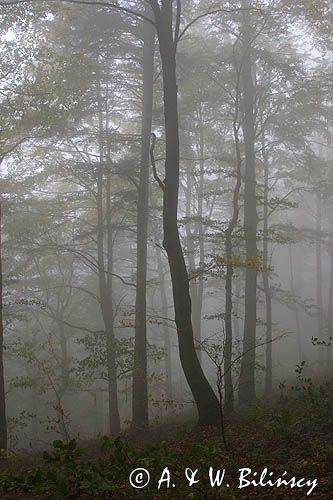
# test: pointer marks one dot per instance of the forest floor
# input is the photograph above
(294, 435)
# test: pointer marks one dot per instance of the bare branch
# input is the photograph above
(153, 163)
(211, 13)
(97, 3)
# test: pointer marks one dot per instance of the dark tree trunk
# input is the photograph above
(3, 420)
(247, 372)
(140, 385)
(205, 398)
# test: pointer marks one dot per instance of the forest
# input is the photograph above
(166, 249)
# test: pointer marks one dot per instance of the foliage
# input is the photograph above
(264, 436)
(94, 365)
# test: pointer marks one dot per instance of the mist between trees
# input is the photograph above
(166, 210)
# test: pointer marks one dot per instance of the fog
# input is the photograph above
(166, 212)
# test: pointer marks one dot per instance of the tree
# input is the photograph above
(205, 398)
(3, 420)
(247, 373)
(229, 393)
(140, 386)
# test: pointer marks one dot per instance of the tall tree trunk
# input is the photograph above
(3, 420)
(140, 385)
(330, 310)
(31, 369)
(228, 311)
(114, 417)
(194, 289)
(298, 324)
(105, 278)
(166, 330)
(247, 372)
(197, 312)
(229, 390)
(235, 322)
(64, 358)
(319, 272)
(64, 380)
(205, 398)
(265, 278)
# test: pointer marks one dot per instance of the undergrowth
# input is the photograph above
(293, 434)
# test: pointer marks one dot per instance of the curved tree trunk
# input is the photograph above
(205, 398)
